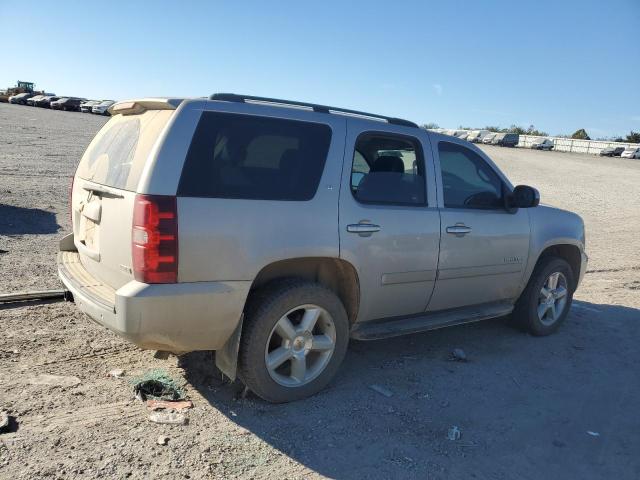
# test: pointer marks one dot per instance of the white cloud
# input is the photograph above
(438, 89)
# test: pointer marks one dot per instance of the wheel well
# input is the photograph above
(570, 253)
(335, 274)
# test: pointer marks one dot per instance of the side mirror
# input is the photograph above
(524, 196)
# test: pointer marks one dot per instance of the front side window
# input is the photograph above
(467, 180)
(252, 157)
(388, 169)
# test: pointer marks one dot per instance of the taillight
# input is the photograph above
(154, 240)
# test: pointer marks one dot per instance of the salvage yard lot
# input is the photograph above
(524, 405)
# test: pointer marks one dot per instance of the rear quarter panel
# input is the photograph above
(224, 239)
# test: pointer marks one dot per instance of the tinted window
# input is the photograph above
(245, 156)
(388, 169)
(467, 180)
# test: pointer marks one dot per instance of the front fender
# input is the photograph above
(553, 227)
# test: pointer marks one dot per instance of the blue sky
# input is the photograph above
(560, 65)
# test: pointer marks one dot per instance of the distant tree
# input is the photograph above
(430, 126)
(633, 137)
(516, 129)
(581, 135)
(492, 129)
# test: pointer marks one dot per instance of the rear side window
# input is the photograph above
(388, 169)
(252, 157)
(118, 153)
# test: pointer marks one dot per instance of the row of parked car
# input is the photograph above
(485, 136)
(511, 140)
(70, 104)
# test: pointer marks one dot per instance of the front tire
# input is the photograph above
(546, 300)
(294, 339)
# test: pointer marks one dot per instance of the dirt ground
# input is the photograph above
(564, 406)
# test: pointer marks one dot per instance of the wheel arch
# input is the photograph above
(568, 252)
(336, 274)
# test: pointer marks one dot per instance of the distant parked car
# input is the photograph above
(612, 151)
(506, 139)
(32, 101)
(85, 107)
(101, 108)
(21, 98)
(476, 136)
(68, 104)
(498, 138)
(488, 139)
(45, 102)
(631, 152)
(546, 144)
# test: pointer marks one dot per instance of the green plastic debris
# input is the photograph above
(157, 384)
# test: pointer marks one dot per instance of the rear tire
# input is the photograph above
(545, 302)
(294, 339)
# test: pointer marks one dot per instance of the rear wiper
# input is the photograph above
(102, 190)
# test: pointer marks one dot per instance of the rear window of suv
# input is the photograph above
(253, 157)
(118, 153)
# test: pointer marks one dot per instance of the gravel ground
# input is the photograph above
(525, 406)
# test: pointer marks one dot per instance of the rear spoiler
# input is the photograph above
(135, 107)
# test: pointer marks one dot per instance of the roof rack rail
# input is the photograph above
(233, 97)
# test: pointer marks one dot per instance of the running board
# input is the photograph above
(397, 326)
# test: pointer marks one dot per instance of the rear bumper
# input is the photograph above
(178, 317)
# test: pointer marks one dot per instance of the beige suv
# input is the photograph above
(273, 231)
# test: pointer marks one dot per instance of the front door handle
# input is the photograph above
(363, 229)
(459, 229)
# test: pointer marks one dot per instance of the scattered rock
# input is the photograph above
(168, 418)
(116, 373)
(454, 433)
(162, 440)
(381, 390)
(168, 405)
(458, 355)
(57, 380)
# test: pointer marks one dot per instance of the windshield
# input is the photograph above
(106, 102)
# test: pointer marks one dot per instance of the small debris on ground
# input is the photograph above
(57, 380)
(168, 418)
(454, 433)
(169, 405)
(116, 373)
(458, 355)
(162, 440)
(593, 434)
(158, 385)
(4, 421)
(381, 390)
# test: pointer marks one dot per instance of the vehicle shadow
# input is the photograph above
(26, 221)
(352, 431)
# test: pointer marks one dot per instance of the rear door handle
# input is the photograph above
(364, 229)
(458, 229)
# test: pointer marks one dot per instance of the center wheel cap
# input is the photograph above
(298, 343)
